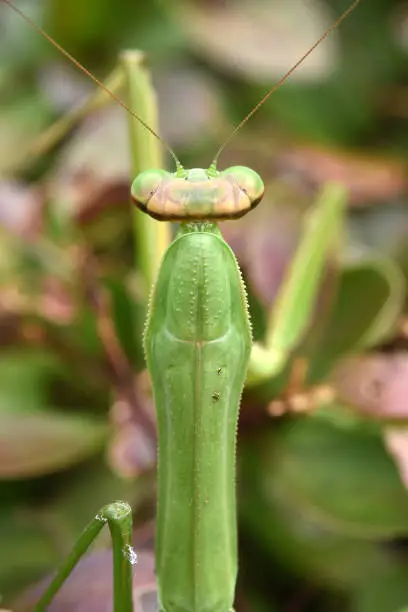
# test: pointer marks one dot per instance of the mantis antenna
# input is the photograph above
(145, 125)
(89, 74)
(285, 78)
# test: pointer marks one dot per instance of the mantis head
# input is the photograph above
(196, 194)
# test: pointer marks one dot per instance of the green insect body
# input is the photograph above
(197, 344)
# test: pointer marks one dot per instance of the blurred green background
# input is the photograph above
(323, 450)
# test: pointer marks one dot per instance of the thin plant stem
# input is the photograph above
(151, 238)
(118, 515)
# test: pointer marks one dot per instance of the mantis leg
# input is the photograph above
(291, 314)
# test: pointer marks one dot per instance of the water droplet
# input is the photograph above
(130, 554)
(100, 517)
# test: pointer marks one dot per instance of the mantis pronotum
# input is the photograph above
(198, 346)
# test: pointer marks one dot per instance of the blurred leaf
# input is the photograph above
(299, 537)
(19, 126)
(27, 551)
(368, 179)
(34, 439)
(376, 385)
(199, 92)
(39, 528)
(20, 208)
(256, 603)
(123, 314)
(385, 591)
(85, 168)
(45, 442)
(89, 588)
(369, 302)
(90, 487)
(131, 451)
(18, 45)
(384, 324)
(23, 375)
(396, 441)
(383, 229)
(310, 457)
(228, 34)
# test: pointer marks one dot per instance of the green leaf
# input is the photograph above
(343, 478)
(385, 591)
(27, 550)
(34, 439)
(23, 374)
(293, 532)
(369, 301)
(45, 442)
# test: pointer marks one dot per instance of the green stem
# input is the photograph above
(119, 518)
(151, 238)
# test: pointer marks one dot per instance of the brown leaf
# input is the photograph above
(43, 442)
(376, 385)
(369, 179)
(89, 588)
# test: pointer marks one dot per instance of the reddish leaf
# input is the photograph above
(89, 588)
(376, 385)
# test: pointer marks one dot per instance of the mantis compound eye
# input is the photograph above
(248, 181)
(146, 185)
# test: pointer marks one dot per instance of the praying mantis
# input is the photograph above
(199, 353)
